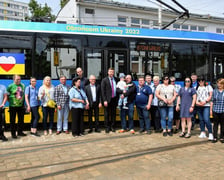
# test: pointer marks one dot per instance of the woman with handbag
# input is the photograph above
(185, 103)
(46, 95)
(32, 102)
(166, 95)
(77, 103)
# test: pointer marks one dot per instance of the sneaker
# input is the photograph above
(165, 134)
(45, 133)
(125, 107)
(170, 133)
(50, 131)
(202, 135)
(66, 132)
(141, 131)
(122, 131)
(148, 132)
(35, 134)
(210, 137)
(132, 131)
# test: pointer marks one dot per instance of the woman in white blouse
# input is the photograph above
(204, 95)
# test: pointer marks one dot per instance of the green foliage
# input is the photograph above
(39, 13)
(63, 2)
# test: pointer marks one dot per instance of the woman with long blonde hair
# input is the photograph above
(46, 93)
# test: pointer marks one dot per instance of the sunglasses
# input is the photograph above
(187, 81)
(172, 81)
(166, 78)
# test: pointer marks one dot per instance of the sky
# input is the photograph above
(211, 7)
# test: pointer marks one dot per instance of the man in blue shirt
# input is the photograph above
(143, 102)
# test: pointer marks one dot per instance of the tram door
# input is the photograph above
(118, 60)
(218, 65)
(94, 63)
(97, 62)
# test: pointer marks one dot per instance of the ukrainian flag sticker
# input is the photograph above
(12, 63)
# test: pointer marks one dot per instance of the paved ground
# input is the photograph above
(111, 156)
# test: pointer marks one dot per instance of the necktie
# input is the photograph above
(112, 87)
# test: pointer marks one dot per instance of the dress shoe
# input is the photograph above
(35, 134)
(14, 136)
(21, 134)
(141, 131)
(3, 138)
(58, 132)
(90, 131)
(97, 130)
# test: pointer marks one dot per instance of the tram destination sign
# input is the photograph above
(18, 26)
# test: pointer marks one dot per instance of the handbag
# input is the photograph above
(51, 103)
(161, 103)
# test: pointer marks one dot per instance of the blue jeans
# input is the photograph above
(204, 118)
(46, 111)
(123, 101)
(129, 112)
(166, 112)
(35, 116)
(63, 115)
(143, 114)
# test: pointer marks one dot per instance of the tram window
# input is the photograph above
(94, 63)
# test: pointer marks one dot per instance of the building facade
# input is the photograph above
(111, 13)
(13, 10)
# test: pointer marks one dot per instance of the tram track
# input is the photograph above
(100, 160)
(75, 142)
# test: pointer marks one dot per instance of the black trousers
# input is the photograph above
(2, 123)
(110, 114)
(218, 118)
(20, 114)
(77, 121)
(155, 116)
(94, 108)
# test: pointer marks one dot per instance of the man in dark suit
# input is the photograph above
(109, 99)
(93, 94)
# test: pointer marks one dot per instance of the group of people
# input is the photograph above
(161, 102)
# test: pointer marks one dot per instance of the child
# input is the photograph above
(122, 86)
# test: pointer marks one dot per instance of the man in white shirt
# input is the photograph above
(93, 94)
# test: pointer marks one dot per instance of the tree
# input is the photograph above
(63, 2)
(39, 13)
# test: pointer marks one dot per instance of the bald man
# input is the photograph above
(93, 94)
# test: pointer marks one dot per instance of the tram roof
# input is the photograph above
(39, 27)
